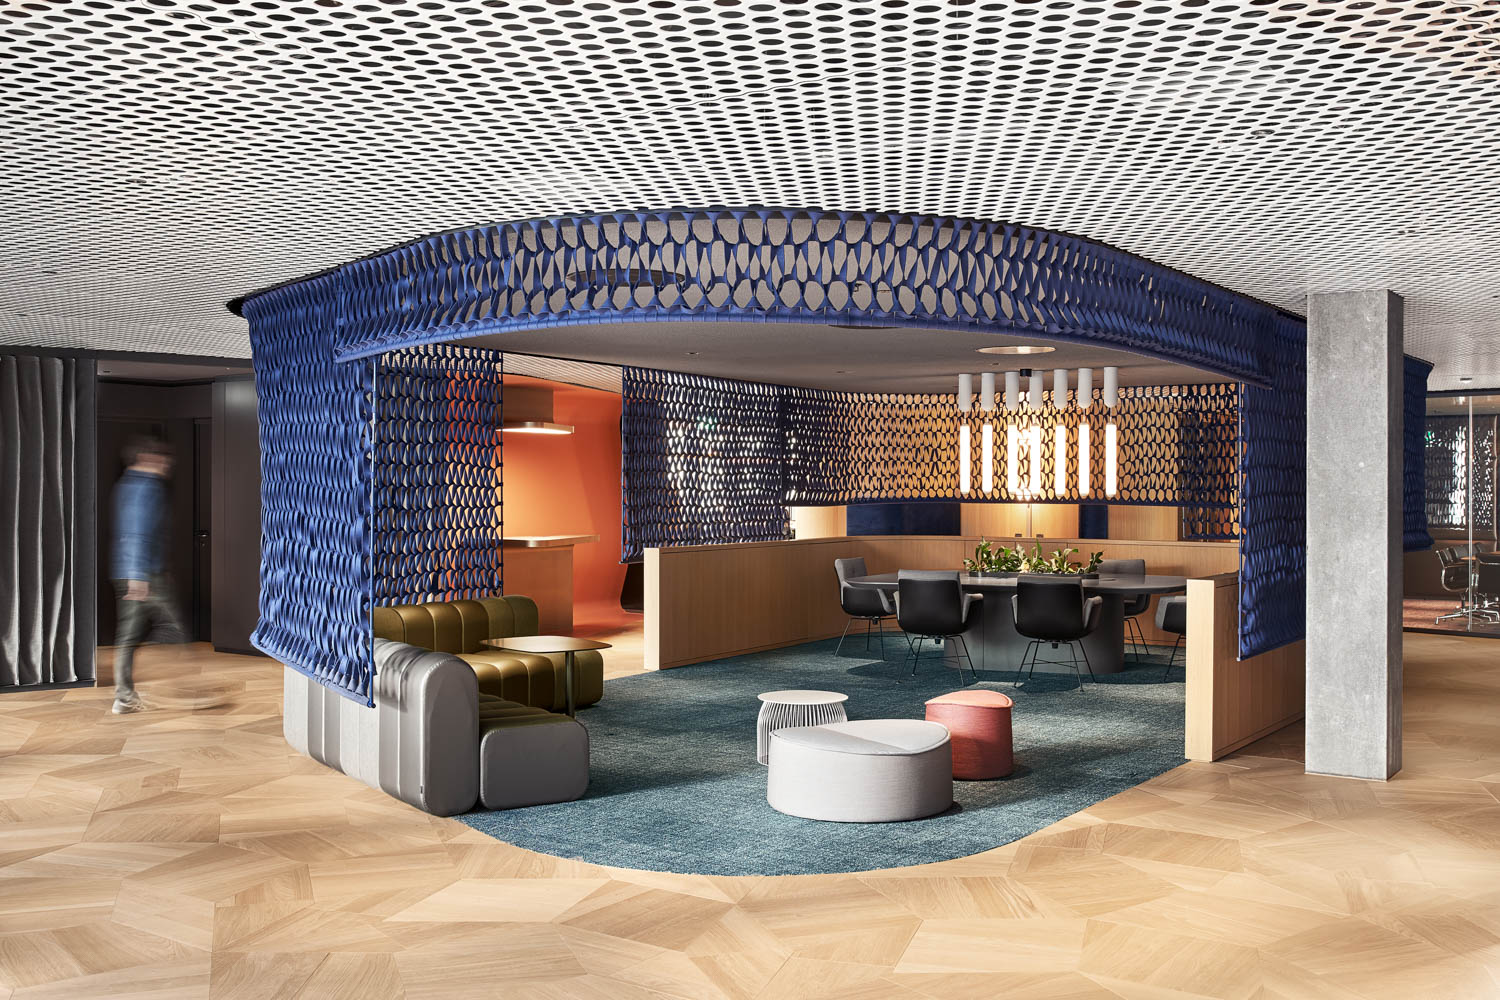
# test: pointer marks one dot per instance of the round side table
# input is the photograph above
(785, 709)
(979, 722)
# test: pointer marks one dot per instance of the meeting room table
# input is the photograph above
(995, 645)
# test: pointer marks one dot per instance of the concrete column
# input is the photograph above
(1354, 455)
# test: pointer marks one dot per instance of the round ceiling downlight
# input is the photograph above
(1018, 349)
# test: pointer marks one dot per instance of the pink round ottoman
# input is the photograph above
(979, 723)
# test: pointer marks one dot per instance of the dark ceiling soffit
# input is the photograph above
(236, 305)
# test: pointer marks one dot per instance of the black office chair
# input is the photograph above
(1135, 604)
(865, 604)
(1054, 610)
(1454, 576)
(931, 605)
(1171, 616)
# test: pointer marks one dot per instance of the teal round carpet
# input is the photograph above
(675, 786)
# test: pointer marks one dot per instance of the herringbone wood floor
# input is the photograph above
(192, 854)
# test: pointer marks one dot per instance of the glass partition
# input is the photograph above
(1456, 586)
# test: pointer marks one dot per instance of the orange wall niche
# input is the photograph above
(570, 485)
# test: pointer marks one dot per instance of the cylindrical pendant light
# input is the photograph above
(1012, 460)
(987, 391)
(1111, 387)
(1111, 465)
(965, 393)
(1083, 460)
(1035, 486)
(1038, 390)
(1059, 460)
(987, 457)
(1085, 388)
(965, 471)
(1060, 389)
(1012, 391)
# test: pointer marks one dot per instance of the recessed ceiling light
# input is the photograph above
(1018, 349)
(1466, 378)
(841, 371)
(690, 354)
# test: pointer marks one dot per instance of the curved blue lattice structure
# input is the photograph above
(437, 475)
(701, 460)
(797, 266)
(1414, 534)
(315, 586)
(1273, 500)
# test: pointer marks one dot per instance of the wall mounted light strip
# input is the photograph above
(1012, 460)
(1060, 460)
(1083, 459)
(1035, 447)
(964, 459)
(1111, 466)
(987, 457)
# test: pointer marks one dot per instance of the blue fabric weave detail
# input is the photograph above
(437, 475)
(1414, 534)
(315, 418)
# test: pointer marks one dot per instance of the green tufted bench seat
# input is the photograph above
(460, 628)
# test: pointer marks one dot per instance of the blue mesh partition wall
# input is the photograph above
(315, 587)
(701, 460)
(1414, 534)
(1273, 497)
(437, 475)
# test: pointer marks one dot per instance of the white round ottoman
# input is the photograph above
(869, 771)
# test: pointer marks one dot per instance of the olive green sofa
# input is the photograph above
(461, 627)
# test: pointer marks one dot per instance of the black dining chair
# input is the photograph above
(865, 604)
(1171, 616)
(1054, 611)
(1454, 575)
(930, 604)
(1135, 604)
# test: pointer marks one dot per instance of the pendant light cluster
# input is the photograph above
(1024, 437)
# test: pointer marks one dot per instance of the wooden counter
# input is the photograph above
(708, 601)
(541, 568)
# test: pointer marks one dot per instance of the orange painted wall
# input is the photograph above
(571, 486)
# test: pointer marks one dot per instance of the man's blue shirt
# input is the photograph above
(140, 505)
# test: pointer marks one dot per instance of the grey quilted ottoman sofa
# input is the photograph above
(433, 741)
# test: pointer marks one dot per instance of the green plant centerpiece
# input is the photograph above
(990, 559)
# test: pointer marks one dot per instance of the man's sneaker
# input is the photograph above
(130, 703)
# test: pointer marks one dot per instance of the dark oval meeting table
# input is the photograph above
(994, 644)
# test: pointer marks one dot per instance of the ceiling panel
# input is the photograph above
(164, 157)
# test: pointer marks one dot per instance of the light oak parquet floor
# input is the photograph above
(183, 854)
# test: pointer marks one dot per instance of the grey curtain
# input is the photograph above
(46, 520)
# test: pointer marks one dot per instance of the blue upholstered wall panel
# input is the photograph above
(437, 474)
(1414, 534)
(315, 415)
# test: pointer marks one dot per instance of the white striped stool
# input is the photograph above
(785, 709)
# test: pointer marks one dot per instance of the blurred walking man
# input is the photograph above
(146, 608)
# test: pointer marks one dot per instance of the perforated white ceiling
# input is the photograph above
(163, 157)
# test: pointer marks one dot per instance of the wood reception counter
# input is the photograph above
(541, 567)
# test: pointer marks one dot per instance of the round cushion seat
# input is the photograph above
(868, 771)
(979, 722)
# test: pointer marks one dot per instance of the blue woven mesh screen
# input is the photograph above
(701, 460)
(1414, 534)
(797, 266)
(1273, 499)
(437, 475)
(315, 590)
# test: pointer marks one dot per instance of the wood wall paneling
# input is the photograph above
(546, 576)
(1143, 523)
(1230, 702)
(706, 602)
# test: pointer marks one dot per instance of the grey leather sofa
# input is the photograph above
(433, 741)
